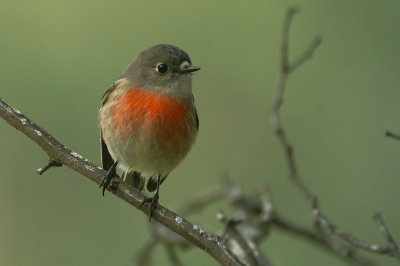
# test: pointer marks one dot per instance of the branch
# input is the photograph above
(204, 198)
(390, 250)
(173, 257)
(244, 248)
(144, 256)
(286, 68)
(258, 218)
(316, 238)
(319, 218)
(392, 135)
(235, 239)
(50, 164)
(61, 154)
(385, 231)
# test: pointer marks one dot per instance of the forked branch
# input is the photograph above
(319, 218)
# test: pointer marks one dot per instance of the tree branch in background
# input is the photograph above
(171, 240)
(255, 217)
(320, 220)
(385, 231)
(285, 69)
(392, 135)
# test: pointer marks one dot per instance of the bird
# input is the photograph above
(148, 120)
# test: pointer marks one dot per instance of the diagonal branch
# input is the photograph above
(385, 231)
(319, 217)
(61, 154)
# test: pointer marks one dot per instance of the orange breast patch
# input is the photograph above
(164, 116)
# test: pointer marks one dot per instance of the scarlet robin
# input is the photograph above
(148, 121)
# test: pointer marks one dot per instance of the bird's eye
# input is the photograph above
(162, 68)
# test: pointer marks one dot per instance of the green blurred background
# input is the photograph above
(58, 57)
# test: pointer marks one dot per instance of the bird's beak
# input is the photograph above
(190, 69)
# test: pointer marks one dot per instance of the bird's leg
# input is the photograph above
(110, 174)
(154, 200)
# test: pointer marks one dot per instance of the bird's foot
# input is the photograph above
(108, 177)
(153, 204)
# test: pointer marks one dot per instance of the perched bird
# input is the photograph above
(148, 121)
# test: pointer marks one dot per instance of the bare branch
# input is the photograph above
(275, 118)
(307, 54)
(58, 152)
(267, 207)
(291, 11)
(319, 218)
(249, 251)
(204, 198)
(318, 239)
(393, 248)
(356, 242)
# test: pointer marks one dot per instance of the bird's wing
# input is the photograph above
(106, 158)
(108, 92)
(196, 116)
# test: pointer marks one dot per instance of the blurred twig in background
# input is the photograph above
(392, 135)
(254, 215)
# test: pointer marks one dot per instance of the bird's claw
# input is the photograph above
(109, 176)
(153, 204)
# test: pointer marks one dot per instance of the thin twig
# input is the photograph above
(307, 54)
(394, 249)
(267, 206)
(58, 152)
(392, 135)
(51, 163)
(203, 199)
(352, 239)
(318, 239)
(275, 117)
(385, 231)
(143, 258)
(173, 257)
(248, 249)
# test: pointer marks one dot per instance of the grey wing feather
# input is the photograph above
(196, 117)
(108, 92)
(106, 158)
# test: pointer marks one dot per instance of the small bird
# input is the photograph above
(148, 121)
